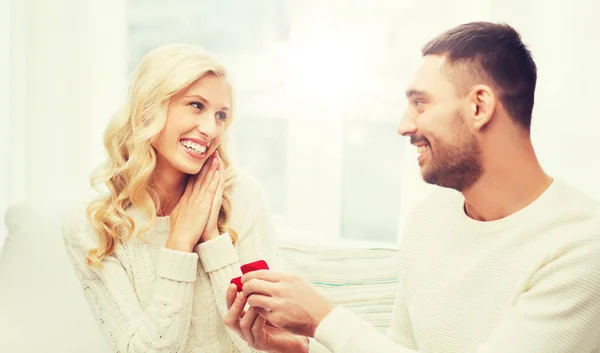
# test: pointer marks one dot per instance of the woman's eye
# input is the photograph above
(197, 105)
(221, 115)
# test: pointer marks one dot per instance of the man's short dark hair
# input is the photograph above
(490, 52)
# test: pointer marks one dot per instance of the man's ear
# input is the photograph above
(482, 102)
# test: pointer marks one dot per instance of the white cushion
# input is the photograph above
(42, 304)
(363, 279)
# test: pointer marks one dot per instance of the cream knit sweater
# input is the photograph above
(528, 283)
(151, 299)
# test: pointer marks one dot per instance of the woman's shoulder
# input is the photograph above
(77, 230)
(248, 200)
(246, 188)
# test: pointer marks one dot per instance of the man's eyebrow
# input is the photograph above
(415, 92)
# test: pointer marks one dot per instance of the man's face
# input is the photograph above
(449, 154)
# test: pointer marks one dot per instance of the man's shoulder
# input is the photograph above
(576, 210)
(570, 219)
(574, 198)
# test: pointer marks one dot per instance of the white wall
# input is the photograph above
(565, 40)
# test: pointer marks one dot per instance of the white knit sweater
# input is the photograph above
(528, 283)
(151, 299)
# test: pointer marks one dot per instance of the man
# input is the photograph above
(501, 258)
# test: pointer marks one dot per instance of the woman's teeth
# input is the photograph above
(193, 146)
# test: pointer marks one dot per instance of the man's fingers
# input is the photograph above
(265, 275)
(262, 302)
(231, 294)
(268, 316)
(239, 304)
(246, 324)
(258, 286)
(236, 310)
(258, 330)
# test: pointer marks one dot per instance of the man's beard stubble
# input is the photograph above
(457, 165)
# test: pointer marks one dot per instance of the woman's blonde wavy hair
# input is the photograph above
(128, 171)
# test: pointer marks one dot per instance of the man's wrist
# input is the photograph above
(302, 345)
(295, 343)
(319, 316)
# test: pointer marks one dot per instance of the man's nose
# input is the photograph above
(407, 126)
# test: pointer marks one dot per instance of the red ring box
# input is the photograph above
(254, 266)
(249, 267)
(238, 283)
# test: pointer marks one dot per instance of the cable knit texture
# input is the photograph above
(527, 283)
(151, 299)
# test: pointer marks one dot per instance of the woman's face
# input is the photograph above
(196, 121)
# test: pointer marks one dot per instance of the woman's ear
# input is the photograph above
(483, 105)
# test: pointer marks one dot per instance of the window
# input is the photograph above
(318, 94)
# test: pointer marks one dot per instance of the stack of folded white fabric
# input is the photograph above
(362, 279)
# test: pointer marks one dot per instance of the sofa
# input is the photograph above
(43, 310)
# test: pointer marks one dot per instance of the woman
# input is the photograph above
(156, 253)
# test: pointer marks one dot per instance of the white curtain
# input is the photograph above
(5, 16)
(64, 68)
(64, 62)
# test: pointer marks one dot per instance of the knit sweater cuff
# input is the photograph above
(217, 253)
(316, 347)
(177, 265)
(337, 329)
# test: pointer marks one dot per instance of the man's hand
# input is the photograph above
(255, 329)
(286, 301)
